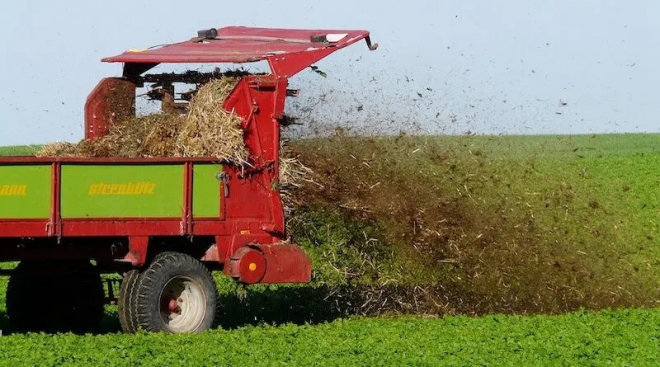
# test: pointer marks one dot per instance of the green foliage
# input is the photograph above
(619, 338)
(19, 150)
(343, 250)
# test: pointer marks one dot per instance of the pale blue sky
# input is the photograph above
(485, 66)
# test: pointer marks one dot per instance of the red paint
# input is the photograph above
(291, 47)
(137, 250)
(212, 254)
(247, 265)
(251, 228)
(17, 228)
(120, 227)
(87, 161)
(170, 305)
(286, 263)
(99, 111)
(186, 221)
(54, 199)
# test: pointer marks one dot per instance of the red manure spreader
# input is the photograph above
(165, 224)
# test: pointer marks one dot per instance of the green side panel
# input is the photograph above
(25, 192)
(207, 190)
(122, 191)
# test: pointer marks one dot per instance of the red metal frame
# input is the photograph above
(288, 51)
(252, 212)
(99, 113)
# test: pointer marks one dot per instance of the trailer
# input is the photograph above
(164, 224)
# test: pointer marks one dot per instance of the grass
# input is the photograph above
(550, 146)
(619, 338)
(474, 225)
(12, 151)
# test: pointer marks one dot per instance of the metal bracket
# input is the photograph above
(208, 34)
(373, 47)
(222, 176)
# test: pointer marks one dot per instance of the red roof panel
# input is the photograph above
(242, 44)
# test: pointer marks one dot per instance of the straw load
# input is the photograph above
(204, 130)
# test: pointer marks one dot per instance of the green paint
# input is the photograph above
(206, 190)
(122, 191)
(25, 192)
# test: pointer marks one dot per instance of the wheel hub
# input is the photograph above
(182, 305)
(170, 305)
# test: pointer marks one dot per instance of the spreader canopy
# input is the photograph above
(288, 51)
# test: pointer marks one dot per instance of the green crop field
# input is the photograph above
(18, 150)
(539, 250)
(625, 338)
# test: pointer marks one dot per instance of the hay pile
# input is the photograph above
(205, 130)
(293, 175)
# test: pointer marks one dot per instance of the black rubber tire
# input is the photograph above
(126, 307)
(166, 267)
(55, 296)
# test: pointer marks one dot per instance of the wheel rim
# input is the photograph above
(182, 305)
